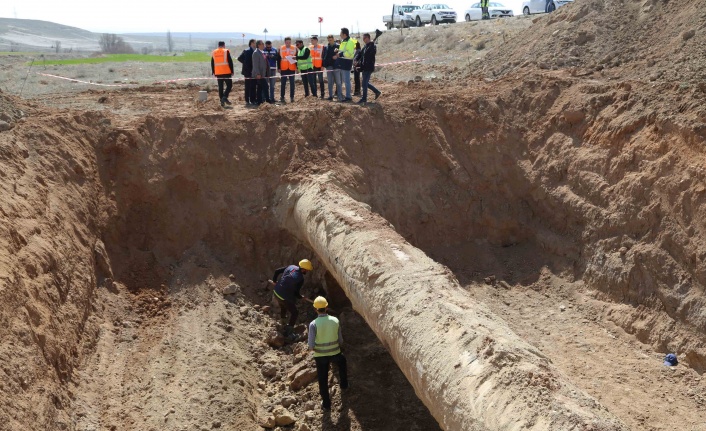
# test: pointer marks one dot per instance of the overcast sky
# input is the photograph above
(279, 17)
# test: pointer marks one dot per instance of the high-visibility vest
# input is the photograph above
(307, 64)
(347, 48)
(220, 62)
(326, 341)
(316, 51)
(284, 52)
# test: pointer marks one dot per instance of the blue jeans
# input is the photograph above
(337, 77)
(367, 84)
(330, 79)
(346, 77)
(273, 81)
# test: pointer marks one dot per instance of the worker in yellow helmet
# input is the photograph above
(325, 340)
(287, 291)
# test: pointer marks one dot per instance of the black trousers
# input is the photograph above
(262, 90)
(356, 81)
(250, 90)
(322, 365)
(284, 307)
(224, 80)
(309, 81)
(287, 75)
(320, 77)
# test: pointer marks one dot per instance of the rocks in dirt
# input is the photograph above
(102, 261)
(269, 370)
(4, 126)
(268, 422)
(276, 340)
(687, 34)
(562, 307)
(303, 427)
(288, 401)
(573, 116)
(310, 405)
(489, 280)
(301, 376)
(283, 417)
(231, 289)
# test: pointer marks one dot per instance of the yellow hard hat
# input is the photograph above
(305, 264)
(320, 302)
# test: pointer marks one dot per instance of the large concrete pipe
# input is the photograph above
(465, 364)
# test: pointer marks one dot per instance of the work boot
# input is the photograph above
(227, 101)
(378, 95)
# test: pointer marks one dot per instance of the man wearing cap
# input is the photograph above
(325, 340)
(287, 291)
(305, 64)
(222, 69)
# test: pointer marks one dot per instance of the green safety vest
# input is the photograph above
(326, 341)
(347, 48)
(305, 64)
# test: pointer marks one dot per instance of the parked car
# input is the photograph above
(540, 6)
(495, 10)
(403, 17)
(434, 14)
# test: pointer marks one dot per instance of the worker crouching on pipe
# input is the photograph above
(287, 291)
(326, 342)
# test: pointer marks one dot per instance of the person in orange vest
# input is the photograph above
(316, 51)
(222, 69)
(287, 68)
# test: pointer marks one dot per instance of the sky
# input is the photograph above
(278, 16)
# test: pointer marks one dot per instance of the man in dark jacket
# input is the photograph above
(368, 67)
(329, 51)
(287, 291)
(246, 59)
(272, 58)
(222, 68)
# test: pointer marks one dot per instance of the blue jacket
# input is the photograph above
(287, 288)
(271, 56)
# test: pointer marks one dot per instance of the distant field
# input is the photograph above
(121, 58)
(17, 53)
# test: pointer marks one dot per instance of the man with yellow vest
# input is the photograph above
(316, 51)
(222, 69)
(287, 68)
(305, 64)
(325, 340)
(344, 60)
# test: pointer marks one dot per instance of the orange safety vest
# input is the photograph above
(220, 62)
(316, 51)
(284, 52)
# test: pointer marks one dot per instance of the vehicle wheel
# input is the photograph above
(525, 11)
(389, 26)
(468, 18)
(551, 7)
(433, 20)
(419, 21)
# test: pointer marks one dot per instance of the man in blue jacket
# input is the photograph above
(246, 59)
(271, 53)
(287, 291)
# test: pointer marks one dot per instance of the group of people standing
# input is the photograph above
(261, 61)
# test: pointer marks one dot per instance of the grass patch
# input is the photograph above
(187, 57)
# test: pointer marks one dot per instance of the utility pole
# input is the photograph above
(265, 31)
(321, 19)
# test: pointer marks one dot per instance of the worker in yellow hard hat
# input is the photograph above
(287, 291)
(326, 341)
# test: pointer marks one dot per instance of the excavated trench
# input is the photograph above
(365, 203)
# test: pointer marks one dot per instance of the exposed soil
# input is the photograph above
(570, 199)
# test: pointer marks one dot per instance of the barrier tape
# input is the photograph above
(168, 81)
